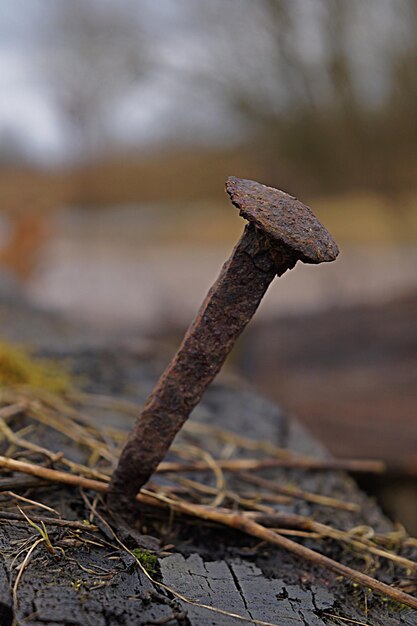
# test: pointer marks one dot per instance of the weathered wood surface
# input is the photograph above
(210, 565)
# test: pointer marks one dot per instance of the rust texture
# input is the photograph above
(284, 219)
(269, 245)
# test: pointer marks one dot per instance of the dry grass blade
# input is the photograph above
(20, 442)
(240, 441)
(22, 568)
(239, 465)
(58, 405)
(17, 441)
(20, 482)
(89, 472)
(56, 412)
(251, 501)
(52, 475)
(289, 458)
(346, 619)
(70, 429)
(211, 463)
(28, 501)
(296, 492)
(359, 543)
(49, 521)
(119, 405)
(10, 410)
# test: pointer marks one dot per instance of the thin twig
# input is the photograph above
(19, 482)
(52, 456)
(225, 517)
(296, 492)
(247, 500)
(52, 475)
(23, 567)
(294, 459)
(28, 501)
(238, 465)
(69, 428)
(292, 520)
(105, 402)
(239, 521)
(49, 521)
(211, 463)
(6, 412)
(14, 439)
(345, 619)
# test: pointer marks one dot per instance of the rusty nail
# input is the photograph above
(280, 232)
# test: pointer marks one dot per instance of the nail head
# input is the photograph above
(284, 219)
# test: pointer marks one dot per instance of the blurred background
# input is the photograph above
(119, 123)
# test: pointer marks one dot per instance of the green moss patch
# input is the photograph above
(147, 559)
(18, 368)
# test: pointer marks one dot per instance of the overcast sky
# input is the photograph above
(29, 115)
(165, 103)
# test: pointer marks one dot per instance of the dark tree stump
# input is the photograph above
(210, 565)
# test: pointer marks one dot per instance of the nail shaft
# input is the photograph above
(223, 315)
(281, 230)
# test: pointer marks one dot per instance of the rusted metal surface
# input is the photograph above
(270, 244)
(284, 219)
